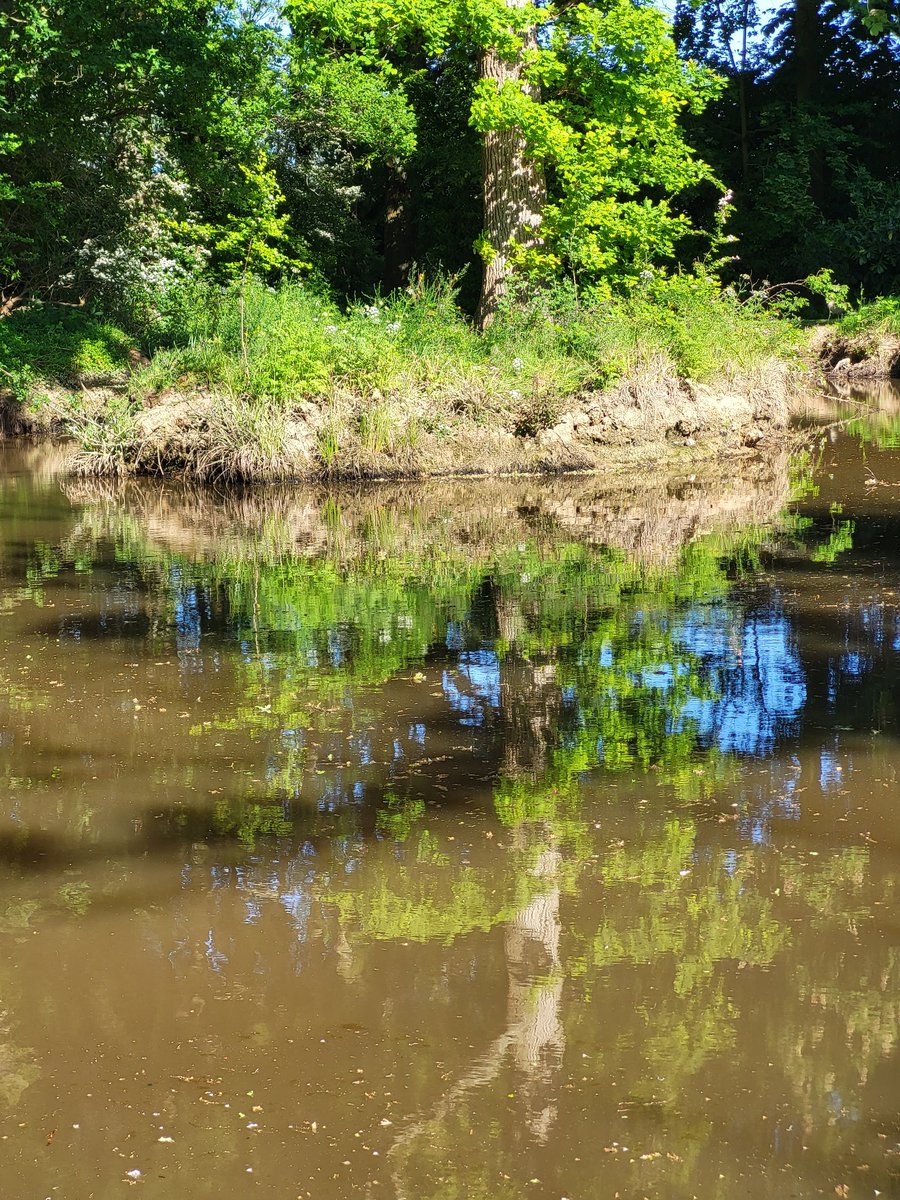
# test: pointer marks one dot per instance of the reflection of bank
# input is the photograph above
(534, 1038)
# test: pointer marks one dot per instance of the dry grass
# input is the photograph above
(427, 520)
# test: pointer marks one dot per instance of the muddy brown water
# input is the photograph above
(490, 840)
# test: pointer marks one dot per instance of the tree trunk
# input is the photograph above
(399, 231)
(514, 188)
(809, 60)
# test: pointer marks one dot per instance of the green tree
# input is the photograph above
(578, 111)
(122, 140)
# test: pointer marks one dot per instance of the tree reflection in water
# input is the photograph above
(574, 728)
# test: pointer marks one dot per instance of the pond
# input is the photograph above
(526, 838)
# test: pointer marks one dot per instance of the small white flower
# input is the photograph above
(373, 312)
(331, 328)
(517, 364)
(645, 276)
(515, 394)
(725, 200)
(393, 327)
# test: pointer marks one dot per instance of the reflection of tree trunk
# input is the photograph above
(535, 994)
(534, 1030)
(530, 699)
(514, 187)
(399, 230)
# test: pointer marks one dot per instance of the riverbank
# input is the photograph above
(863, 345)
(277, 386)
(650, 414)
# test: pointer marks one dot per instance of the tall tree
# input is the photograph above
(578, 109)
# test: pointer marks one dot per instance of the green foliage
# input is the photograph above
(610, 132)
(252, 241)
(881, 316)
(124, 137)
(805, 133)
(45, 342)
(710, 332)
(601, 115)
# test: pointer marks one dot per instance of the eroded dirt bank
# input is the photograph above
(870, 355)
(652, 415)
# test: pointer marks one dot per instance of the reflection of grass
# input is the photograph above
(839, 541)
(880, 429)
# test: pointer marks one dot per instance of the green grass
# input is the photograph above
(882, 316)
(297, 345)
(43, 343)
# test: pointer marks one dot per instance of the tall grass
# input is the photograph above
(298, 345)
(881, 316)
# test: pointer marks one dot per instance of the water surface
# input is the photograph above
(512, 839)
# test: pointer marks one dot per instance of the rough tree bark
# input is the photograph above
(514, 187)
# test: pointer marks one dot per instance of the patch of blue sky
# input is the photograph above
(759, 685)
(454, 639)
(831, 771)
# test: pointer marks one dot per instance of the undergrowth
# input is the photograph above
(881, 316)
(296, 344)
(49, 344)
(380, 375)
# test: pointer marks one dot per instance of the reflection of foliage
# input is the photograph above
(699, 925)
(426, 897)
(839, 541)
(878, 428)
(396, 819)
(248, 820)
(18, 1069)
(76, 897)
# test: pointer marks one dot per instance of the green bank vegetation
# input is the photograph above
(354, 236)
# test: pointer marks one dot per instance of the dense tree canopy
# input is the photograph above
(142, 148)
